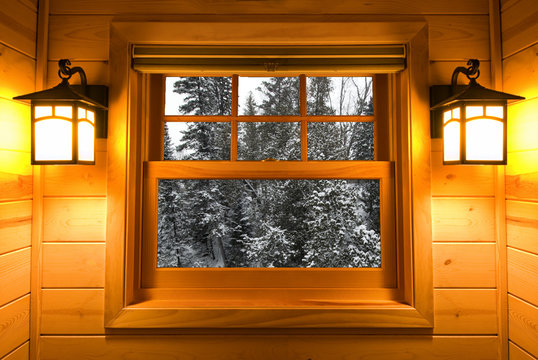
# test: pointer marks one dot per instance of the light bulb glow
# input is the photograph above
(484, 140)
(42, 111)
(63, 111)
(85, 141)
(451, 139)
(53, 140)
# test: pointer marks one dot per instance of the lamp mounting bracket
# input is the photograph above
(65, 72)
(472, 72)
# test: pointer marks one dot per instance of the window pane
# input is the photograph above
(340, 140)
(339, 96)
(198, 95)
(269, 96)
(262, 140)
(269, 223)
(197, 141)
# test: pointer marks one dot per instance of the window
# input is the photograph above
(277, 175)
(139, 294)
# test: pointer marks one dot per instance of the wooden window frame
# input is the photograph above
(126, 306)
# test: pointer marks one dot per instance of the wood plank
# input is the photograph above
(15, 225)
(15, 175)
(522, 225)
(74, 219)
(14, 324)
(78, 37)
(520, 75)
(79, 311)
(523, 275)
(522, 176)
(77, 180)
(270, 347)
(118, 7)
(18, 26)
(441, 73)
(73, 265)
(20, 353)
(517, 353)
(463, 265)
(455, 37)
(460, 180)
(463, 219)
(15, 125)
(523, 324)
(469, 311)
(14, 275)
(96, 72)
(522, 125)
(17, 73)
(519, 26)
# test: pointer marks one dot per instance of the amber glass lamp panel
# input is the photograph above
(451, 135)
(53, 133)
(485, 133)
(86, 135)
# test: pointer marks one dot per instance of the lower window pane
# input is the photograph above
(340, 141)
(269, 223)
(262, 140)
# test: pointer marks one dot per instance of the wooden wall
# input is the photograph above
(520, 76)
(75, 197)
(18, 19)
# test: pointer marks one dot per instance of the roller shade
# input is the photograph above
(262, 59)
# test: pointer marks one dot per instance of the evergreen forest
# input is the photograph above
(270, 222)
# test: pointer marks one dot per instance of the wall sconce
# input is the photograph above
(66, 119)
(471, 119)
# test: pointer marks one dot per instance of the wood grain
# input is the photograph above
(15, 175)
(460, 180)
(441, 73)
(78, 37)
(522, 125)
(463, 265)
(523, 275)
(14, 324)
(455, 37)
(77, 311)
(522, 225)
(520, 75)
(523, 324)
(463, 219)
(74, 219)
(96, 72)
(469, 311)
(522, 176)
(17, 72)
(18, 27)
(20, 353)
(118, 7)
(519, 26)
(73, 265)
(269, 347)
(517, 353)
(77, 180)
(15, 225)
(14, 275)
(15, 125)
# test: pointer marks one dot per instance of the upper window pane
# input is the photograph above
(340, 141)
(269, 96)
(197, 141)
(339, 96)
(197, 95)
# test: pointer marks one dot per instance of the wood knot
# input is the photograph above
(450, 176)
(448, 262)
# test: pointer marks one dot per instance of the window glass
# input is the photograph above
(269, 223)
(340, 141)
(339, 96)
(263, 140)
(198, 95)
(269, 96)
(197, 141)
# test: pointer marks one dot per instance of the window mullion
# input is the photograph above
(302, 93)
(235, 111)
